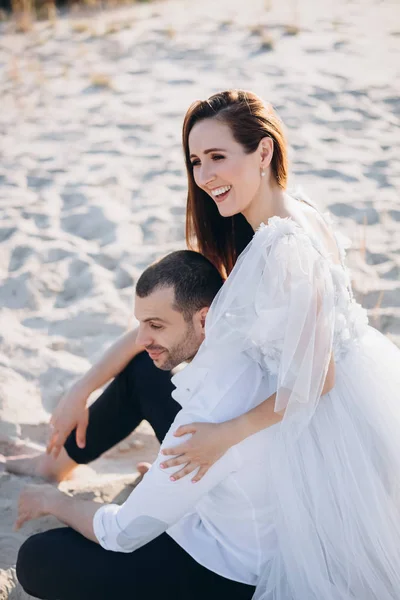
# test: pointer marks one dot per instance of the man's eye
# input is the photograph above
(155, 326)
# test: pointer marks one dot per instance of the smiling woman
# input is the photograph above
(225, 131)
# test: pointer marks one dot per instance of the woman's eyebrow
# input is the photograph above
(210, 150)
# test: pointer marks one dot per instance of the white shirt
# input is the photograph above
(223, 521)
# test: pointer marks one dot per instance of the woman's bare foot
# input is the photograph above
(41, 465)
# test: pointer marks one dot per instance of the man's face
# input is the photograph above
(163, 331)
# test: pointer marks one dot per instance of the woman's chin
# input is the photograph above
(227, 211)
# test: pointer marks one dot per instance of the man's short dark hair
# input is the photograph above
(193, 277)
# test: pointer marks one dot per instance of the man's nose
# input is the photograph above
(143, 337)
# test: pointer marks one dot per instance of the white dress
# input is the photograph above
(334, 470)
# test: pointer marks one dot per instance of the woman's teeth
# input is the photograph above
(221, 190)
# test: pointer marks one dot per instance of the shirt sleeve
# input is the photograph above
(157, 502)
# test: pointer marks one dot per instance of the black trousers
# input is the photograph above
(61, 564)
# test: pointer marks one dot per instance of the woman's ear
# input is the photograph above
(266, 149)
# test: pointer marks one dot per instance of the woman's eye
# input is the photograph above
(218, 157)
(195, 163)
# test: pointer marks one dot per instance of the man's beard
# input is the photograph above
(183, 350)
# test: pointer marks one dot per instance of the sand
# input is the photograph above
(92, 180)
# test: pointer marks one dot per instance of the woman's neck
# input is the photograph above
(271, 201)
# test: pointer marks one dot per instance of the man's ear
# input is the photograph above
(200, 319)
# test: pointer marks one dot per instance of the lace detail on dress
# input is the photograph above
(351, 318)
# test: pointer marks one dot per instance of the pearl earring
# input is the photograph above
(262, 173)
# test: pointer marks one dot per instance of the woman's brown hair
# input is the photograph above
(222, 239)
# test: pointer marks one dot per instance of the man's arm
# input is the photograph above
(153, 506)
(71, 410)
(113, 361)
(157, 503)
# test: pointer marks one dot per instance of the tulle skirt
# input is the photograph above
(336, 489)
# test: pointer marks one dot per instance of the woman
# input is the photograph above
(287, 303)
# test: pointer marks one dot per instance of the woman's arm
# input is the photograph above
(210, 441)
(71, 412)
(292, 328)
(264, 415)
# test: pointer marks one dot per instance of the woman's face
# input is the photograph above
(221, 167)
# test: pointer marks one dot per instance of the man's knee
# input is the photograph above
(142, 365)
(143, 375)
(30, 564)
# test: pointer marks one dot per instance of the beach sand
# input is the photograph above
(92, 181)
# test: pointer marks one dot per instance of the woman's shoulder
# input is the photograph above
(306, 229)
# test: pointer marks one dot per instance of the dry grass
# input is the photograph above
(291, 29)
(101, 80)
(80, 27)
(170, 32)
(375, 311)
(23, 14)
(256, 30)
(26, 12)
(227, 22)
(363, 243)
(267, 42)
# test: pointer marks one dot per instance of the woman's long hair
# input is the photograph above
(222, 239)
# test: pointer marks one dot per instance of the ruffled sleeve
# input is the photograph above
(280, 303)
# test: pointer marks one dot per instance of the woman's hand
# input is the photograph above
(208, 443)
(70, 413)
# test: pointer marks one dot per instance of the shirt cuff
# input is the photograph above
(105, 526)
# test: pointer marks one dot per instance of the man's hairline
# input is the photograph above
(174, 305)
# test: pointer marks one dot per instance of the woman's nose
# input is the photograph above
(206, 176)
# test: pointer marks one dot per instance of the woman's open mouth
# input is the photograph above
(221, 193)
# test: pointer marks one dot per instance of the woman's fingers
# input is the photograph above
(174, 462)
(200, 474)
(183, 472)
(183, 429)
(181, 449)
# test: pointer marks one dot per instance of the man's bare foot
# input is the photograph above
(143, 467)
(41, 465)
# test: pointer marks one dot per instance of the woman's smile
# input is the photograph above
(219, 194)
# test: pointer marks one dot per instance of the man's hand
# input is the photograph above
(34, 502)
(71, 413)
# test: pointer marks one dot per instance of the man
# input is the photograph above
(184, 285)
(176, 540)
